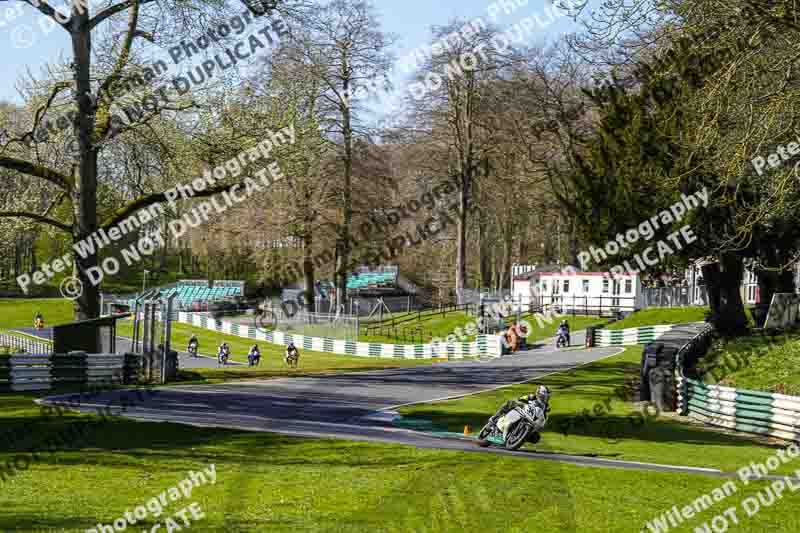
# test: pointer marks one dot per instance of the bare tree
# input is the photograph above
(348, 55)
(92, 119)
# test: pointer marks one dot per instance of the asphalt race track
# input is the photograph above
(359, 406)
(123, 345)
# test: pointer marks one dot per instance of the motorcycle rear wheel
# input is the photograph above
(517, 436)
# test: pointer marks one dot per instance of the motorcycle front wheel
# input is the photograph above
(517, 436)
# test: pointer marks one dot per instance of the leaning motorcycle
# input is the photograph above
(521, 424)
(561, 341)
(193, 350)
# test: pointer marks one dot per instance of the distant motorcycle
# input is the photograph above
(514, 427)
(292, 358)
(222, 358)
(193, 350)
(562, 340)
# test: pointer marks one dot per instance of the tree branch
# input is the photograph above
(157, 198)
(38, 171)
(113, 10)
(122, 60)
(46, 9)
(39, 218)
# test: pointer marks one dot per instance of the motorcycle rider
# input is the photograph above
(193, 341)
(38, 321)
(224, 353)
(291, 351)
(563, 329)
(254, 357)
(539, 401)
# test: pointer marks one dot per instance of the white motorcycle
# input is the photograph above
(514, 427)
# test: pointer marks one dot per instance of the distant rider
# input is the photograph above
(223, 353)
(254, 357)
(38, 321)
(292, 354)
(563, 329)
(193, 343)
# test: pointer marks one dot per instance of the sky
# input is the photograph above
(26, 44)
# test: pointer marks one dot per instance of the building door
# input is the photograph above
(615, 291)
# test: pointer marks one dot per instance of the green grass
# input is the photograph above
(757, 362)
(616, 432)
(441, 327)
(656, 316)
(268, 482)
(437, 326)
(272, 363)
(576, 323)
(16, 313)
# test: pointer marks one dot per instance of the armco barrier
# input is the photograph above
(484, 346)
(746, 411)
(25, 372)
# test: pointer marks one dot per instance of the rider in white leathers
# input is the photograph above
(538, 403)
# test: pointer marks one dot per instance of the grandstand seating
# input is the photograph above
(372, 280)
(188, 293)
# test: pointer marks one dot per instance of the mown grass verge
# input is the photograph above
(592, 414)
(268, 482)
(760, 362)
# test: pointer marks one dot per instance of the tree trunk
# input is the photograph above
(509, 252)
(343, 257)
(34, 263)
(484, 260)
(461, 240)
(308, 272)
(165, 247)
(84, 194)
(723, 282)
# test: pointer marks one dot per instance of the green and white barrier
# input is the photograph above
(484, 346)
(755, 412)
(630, 336)
(762, 413)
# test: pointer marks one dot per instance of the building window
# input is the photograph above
(628, 286)
(555, 286)
(605, 286)
(544, 287)
(585, 284)
(566, 286)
